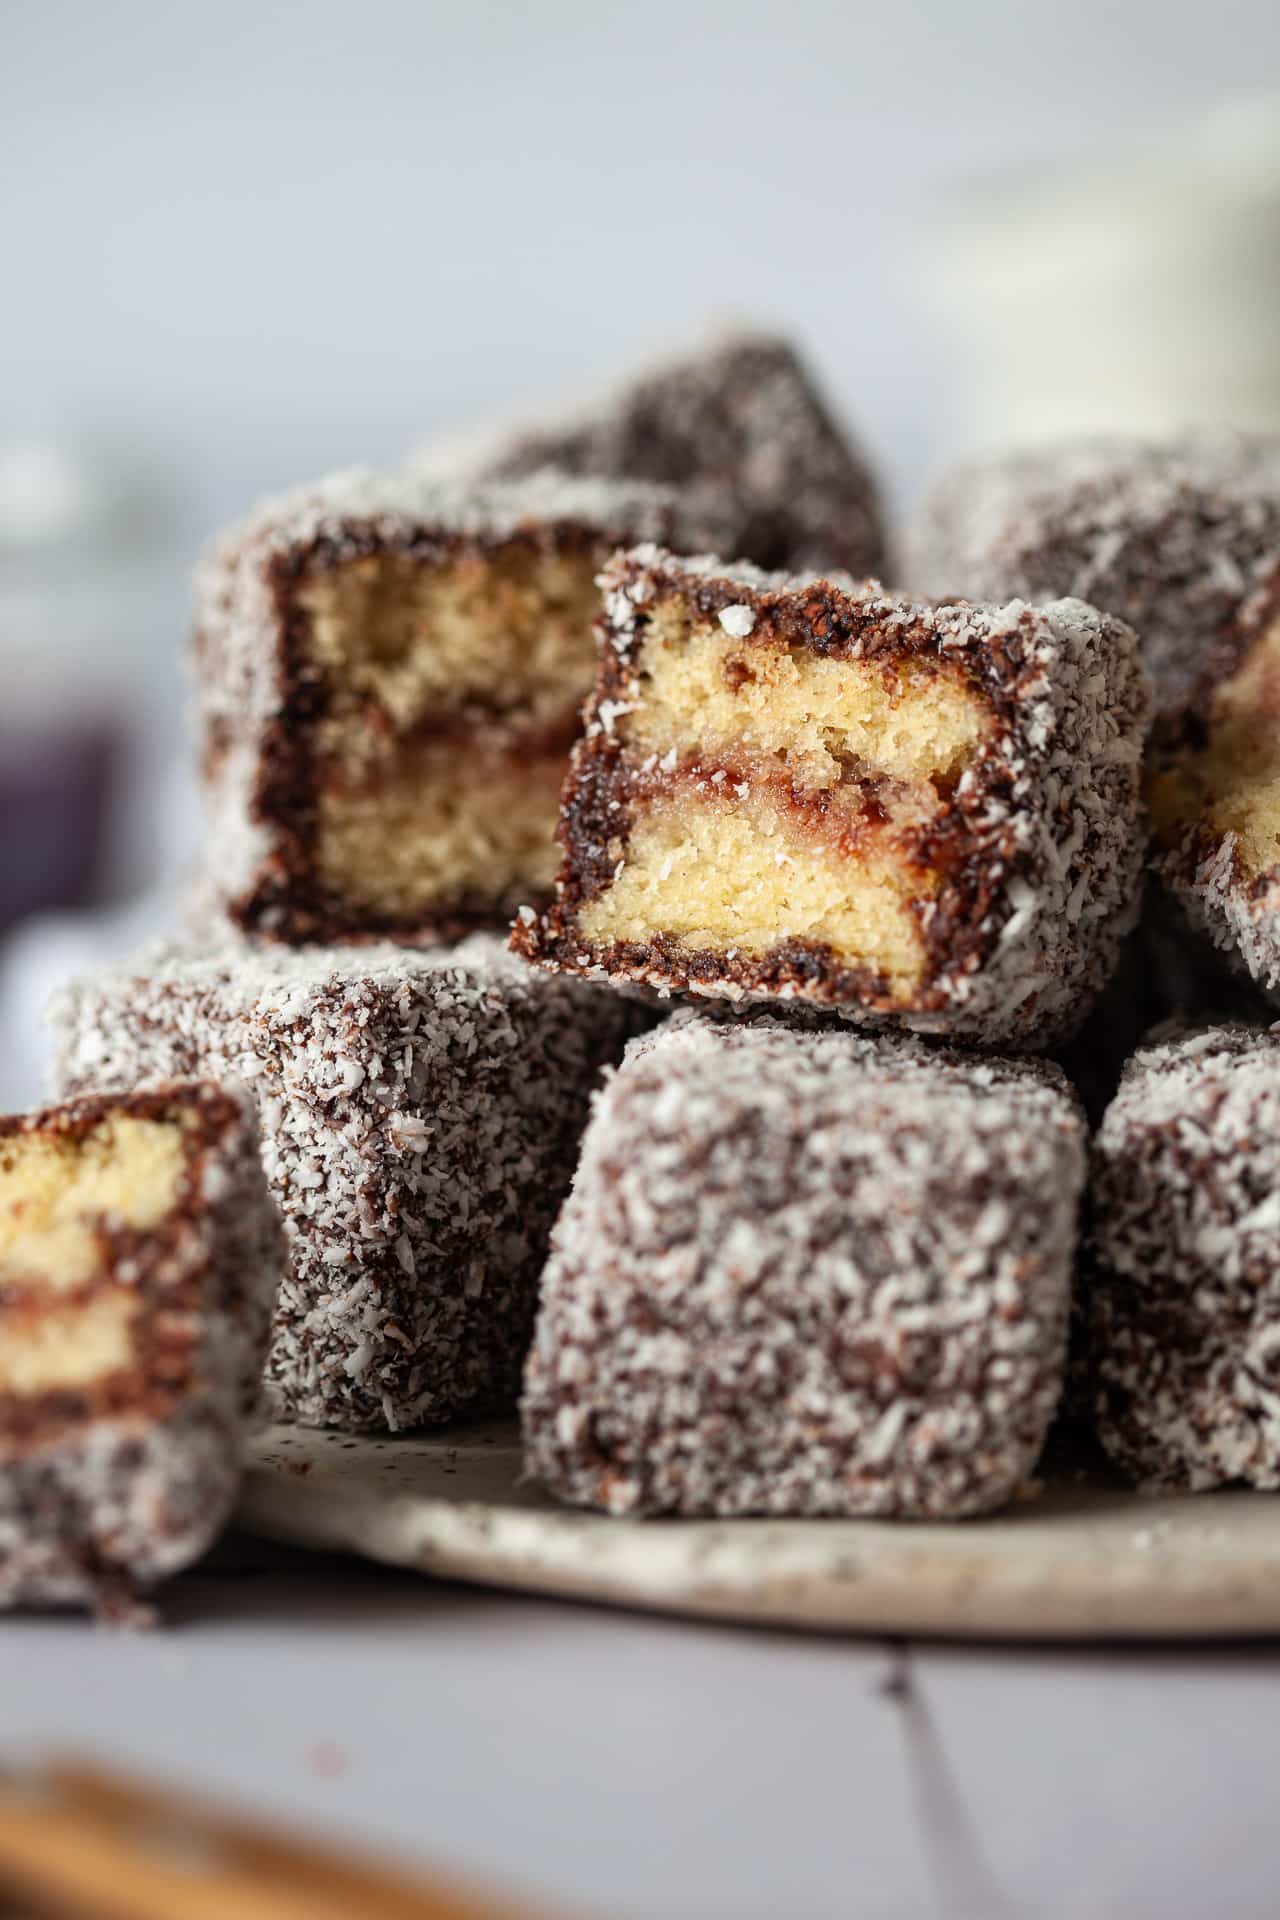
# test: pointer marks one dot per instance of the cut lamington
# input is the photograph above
(1184, 1280)
(1171, 537)
(790, 788)
(391, 672)
(807, 1271)
(743, 421)
(139, 1257)
(420, 1115)
(1214, 788)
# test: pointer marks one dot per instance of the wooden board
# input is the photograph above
(1080, 1561)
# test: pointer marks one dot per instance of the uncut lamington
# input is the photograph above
(807, 1271)
(743, 421)
(420, 1114)
(1172, 537)
(390, 671)
(139, 1257)
(793, 789)
(1183, 1288)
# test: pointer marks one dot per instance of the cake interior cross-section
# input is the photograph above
(437, 765)
(797, 787)
(790, 796)
(139, 1254)
(391, 676)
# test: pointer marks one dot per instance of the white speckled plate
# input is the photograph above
(1081, 1561)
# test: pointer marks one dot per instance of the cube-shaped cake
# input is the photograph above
(1183, 1288)
(139, 1258)
(1170, 536)
(793, 789)
(807, 1271)
(420, 1115)
(743, 419)
(391, 672)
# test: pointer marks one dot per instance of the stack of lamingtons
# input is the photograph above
(838, 870)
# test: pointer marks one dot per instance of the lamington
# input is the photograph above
(420, 1114)
(390, 671)
(742, 419)
(807, 1271)
(1214, 789)
(1172, 537)
(1184, 1268)
(139, 1258)
(790, 788)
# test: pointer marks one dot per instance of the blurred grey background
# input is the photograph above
(245, 243)
(252, 240)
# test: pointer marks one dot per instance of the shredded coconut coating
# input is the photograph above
(743, 421)
(807, 1271)
(1184, 1275)
(1171, 538)
(1239, 915)
(1051, 806)
(420, 1116)
(250, 691)
(109, 1493)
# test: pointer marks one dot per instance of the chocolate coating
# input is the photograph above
(1184, 1274)
(420, 1116)
(807, 1272)
(1171, 538)
(742, 421)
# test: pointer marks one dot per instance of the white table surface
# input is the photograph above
(631, 1767)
